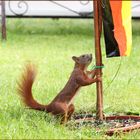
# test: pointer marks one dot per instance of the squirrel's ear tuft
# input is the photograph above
(75, 58)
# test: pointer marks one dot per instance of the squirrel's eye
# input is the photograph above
(83, 55)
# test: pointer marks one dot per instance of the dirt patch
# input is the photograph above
(111, 124)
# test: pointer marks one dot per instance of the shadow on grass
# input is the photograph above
(51, 27)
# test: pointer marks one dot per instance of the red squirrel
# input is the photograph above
(62, 104)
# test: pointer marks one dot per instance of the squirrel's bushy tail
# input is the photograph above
(25, 88)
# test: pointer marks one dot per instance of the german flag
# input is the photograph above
(117, 27)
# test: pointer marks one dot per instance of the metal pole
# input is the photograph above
(98, 56)
(3, 20)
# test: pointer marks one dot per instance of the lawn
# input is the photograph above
(50, 44)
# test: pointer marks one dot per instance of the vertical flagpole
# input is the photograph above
(3, 20)
(98, 56)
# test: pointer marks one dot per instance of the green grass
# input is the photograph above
(50, 44)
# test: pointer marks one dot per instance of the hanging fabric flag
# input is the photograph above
(117, 27)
